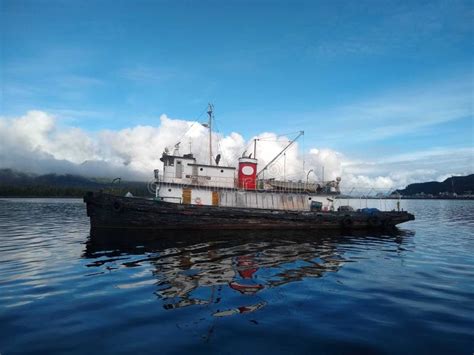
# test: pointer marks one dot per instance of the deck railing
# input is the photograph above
(231, 183)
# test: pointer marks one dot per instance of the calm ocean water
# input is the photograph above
(64, 291)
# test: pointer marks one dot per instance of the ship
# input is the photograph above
(190, 195)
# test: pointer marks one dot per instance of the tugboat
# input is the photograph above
(190, 195)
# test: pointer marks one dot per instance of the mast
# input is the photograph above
(209, 112)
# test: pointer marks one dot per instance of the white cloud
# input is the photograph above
(35, 143)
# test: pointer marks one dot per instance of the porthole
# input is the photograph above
(222, 171)
(169, 190)
(309, 198)
(201, 169)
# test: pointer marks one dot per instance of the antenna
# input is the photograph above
(210, 113)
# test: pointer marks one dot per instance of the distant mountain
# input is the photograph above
(14, 183)
(460, 185)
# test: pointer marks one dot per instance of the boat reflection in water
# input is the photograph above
(195, 268)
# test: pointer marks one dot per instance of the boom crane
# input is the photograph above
(278, 155)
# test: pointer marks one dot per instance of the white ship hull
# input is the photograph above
(227, 197)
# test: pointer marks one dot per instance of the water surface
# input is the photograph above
(65, 291)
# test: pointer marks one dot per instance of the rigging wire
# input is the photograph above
(181, 138)
(248, 145)
(304, 156)
(287, 134)
(189, 128)
(272, 140)
(219, 149)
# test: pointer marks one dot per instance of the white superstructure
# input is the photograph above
(185, 181)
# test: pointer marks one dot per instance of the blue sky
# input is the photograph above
(371, 79)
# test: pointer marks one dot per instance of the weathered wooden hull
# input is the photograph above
(109, 211)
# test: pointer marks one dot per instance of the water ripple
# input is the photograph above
(279, 292)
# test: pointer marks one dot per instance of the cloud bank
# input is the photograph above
(37, 142)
